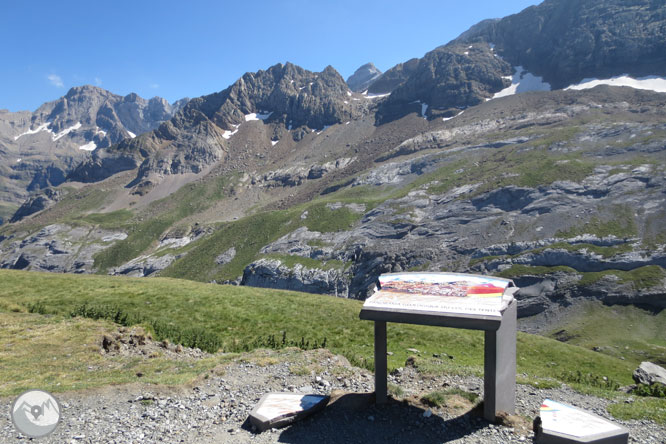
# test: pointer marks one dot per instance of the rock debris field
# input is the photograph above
(215, 408)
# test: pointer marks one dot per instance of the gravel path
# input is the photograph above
(215, 409)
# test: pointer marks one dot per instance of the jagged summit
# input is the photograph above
(293, 96)
(363, 77)
(197, 137)
(40, 148)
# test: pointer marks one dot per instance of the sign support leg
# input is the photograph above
(500, 366)
(380, 363)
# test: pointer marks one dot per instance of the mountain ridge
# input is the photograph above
(288, 179)
(40, 148)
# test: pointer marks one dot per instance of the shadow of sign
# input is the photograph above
(354, 418)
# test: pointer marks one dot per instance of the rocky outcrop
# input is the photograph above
(58, 248)
(272, 273)
(297, 175)
(226, 257)
(648, 373)
(363, 77)
(144, 266)
(37, 203)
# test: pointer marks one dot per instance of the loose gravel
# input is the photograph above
(215, 408)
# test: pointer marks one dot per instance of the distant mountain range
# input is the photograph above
(489, 154)
(39, 149)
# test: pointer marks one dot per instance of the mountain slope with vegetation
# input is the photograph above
(289, 180)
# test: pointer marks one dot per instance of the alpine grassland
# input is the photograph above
(54, 324)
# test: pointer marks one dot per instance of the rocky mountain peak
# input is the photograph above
(565, 41)
(445, 80)
(41, 148)
(290, 94)
(394, 77)
(363, 77)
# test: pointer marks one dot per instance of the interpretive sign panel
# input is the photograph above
(452, 300)
(561, 423)
(441, 293)
(279, 409)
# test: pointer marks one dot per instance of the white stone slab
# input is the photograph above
(279, 409)
(561, 423)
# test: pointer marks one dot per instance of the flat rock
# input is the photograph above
(562, 424)
(279, 409)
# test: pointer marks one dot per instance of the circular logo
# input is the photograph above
(35, 413)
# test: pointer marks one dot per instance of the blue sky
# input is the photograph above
(176, 49)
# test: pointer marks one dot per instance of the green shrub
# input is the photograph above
(589, 379)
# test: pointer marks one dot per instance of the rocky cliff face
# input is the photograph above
(39, 149)
(565, 41)
(446, 80)
(562, 41)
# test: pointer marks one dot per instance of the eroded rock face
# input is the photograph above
(617, 37)
(272, 274)
(58, 248)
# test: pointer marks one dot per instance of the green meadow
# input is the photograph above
(53, 324)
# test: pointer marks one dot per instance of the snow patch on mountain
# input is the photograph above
(90, 146)
(523, 81)
(452, 117)
(43, 127)
(131, 134)
(66, 131)
(374, 96)
(650, 83)
(258, 116)
(228, 133)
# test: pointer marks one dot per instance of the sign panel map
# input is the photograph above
(441, 293)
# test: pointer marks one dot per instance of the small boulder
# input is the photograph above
(648, 373)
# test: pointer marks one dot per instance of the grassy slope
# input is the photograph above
(621, 331)
(240, 315)
(63, 354)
